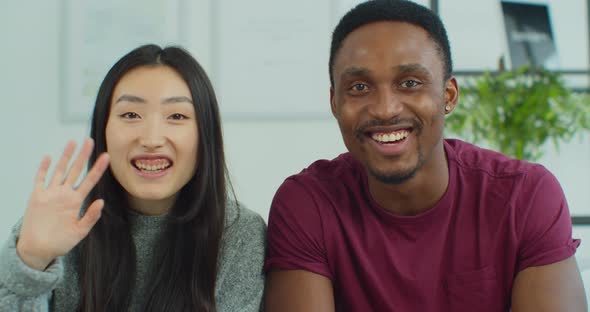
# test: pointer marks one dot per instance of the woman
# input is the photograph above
(156, 231)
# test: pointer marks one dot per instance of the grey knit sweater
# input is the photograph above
(240, 280)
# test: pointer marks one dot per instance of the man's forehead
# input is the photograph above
(398, 42)
(393, 31)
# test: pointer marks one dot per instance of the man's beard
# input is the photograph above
(398, 177)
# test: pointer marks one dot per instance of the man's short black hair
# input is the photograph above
(393, 10)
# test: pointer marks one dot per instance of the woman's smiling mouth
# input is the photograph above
(151, 166)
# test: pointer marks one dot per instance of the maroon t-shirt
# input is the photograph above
(497, 217)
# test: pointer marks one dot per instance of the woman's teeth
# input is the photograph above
(152, 165)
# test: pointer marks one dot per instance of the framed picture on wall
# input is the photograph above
(95, 34)
(530, 35)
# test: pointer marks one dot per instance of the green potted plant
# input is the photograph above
(517, 111)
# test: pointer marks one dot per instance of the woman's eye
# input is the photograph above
(410, 84)
(178, 116)
(130, 115)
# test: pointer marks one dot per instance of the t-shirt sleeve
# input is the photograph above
(295, 231)
(546, 229)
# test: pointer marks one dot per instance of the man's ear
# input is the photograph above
(332, 102)
(451, 94)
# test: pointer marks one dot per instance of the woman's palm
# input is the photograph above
(52, 224)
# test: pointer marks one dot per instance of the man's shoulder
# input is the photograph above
(324, 170)
(469, 157)
(323, 179)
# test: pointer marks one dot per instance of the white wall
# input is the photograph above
(478, 39)
(261, 153)
(29, 86)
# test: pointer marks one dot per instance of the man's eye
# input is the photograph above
(130, 115)
(410, 84)
(360, 87)
(178, 116)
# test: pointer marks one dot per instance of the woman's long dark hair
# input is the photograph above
(189, 249)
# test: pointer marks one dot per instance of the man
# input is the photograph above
(408, 221)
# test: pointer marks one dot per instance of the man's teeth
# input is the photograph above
(390, 137)
(152, 165)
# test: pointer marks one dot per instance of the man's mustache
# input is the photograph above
(415, 124)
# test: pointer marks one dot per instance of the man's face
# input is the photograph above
(389, 98)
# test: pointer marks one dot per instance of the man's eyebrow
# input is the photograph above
(402, 69)
(412, 68)
(177, 99)
(130, 98)
(356, 71)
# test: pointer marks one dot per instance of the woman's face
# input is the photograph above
(152, 136)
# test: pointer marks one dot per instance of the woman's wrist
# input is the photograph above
(35, 262)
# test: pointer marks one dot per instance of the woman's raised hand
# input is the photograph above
(51, 226)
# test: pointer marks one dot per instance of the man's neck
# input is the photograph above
(417, 195)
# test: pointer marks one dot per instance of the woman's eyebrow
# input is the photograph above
(177, 99)
(168, 100)
(130, 98)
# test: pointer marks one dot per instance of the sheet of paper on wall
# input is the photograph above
(97, 33)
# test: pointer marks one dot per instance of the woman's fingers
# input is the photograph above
(62, 165)
(42, 172)
(79, 163)
(51, 225)
(90, 218)
(93, 176)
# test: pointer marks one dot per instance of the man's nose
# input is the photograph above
(387, 104)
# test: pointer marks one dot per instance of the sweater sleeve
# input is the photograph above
(240, 285)
(21, 287)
